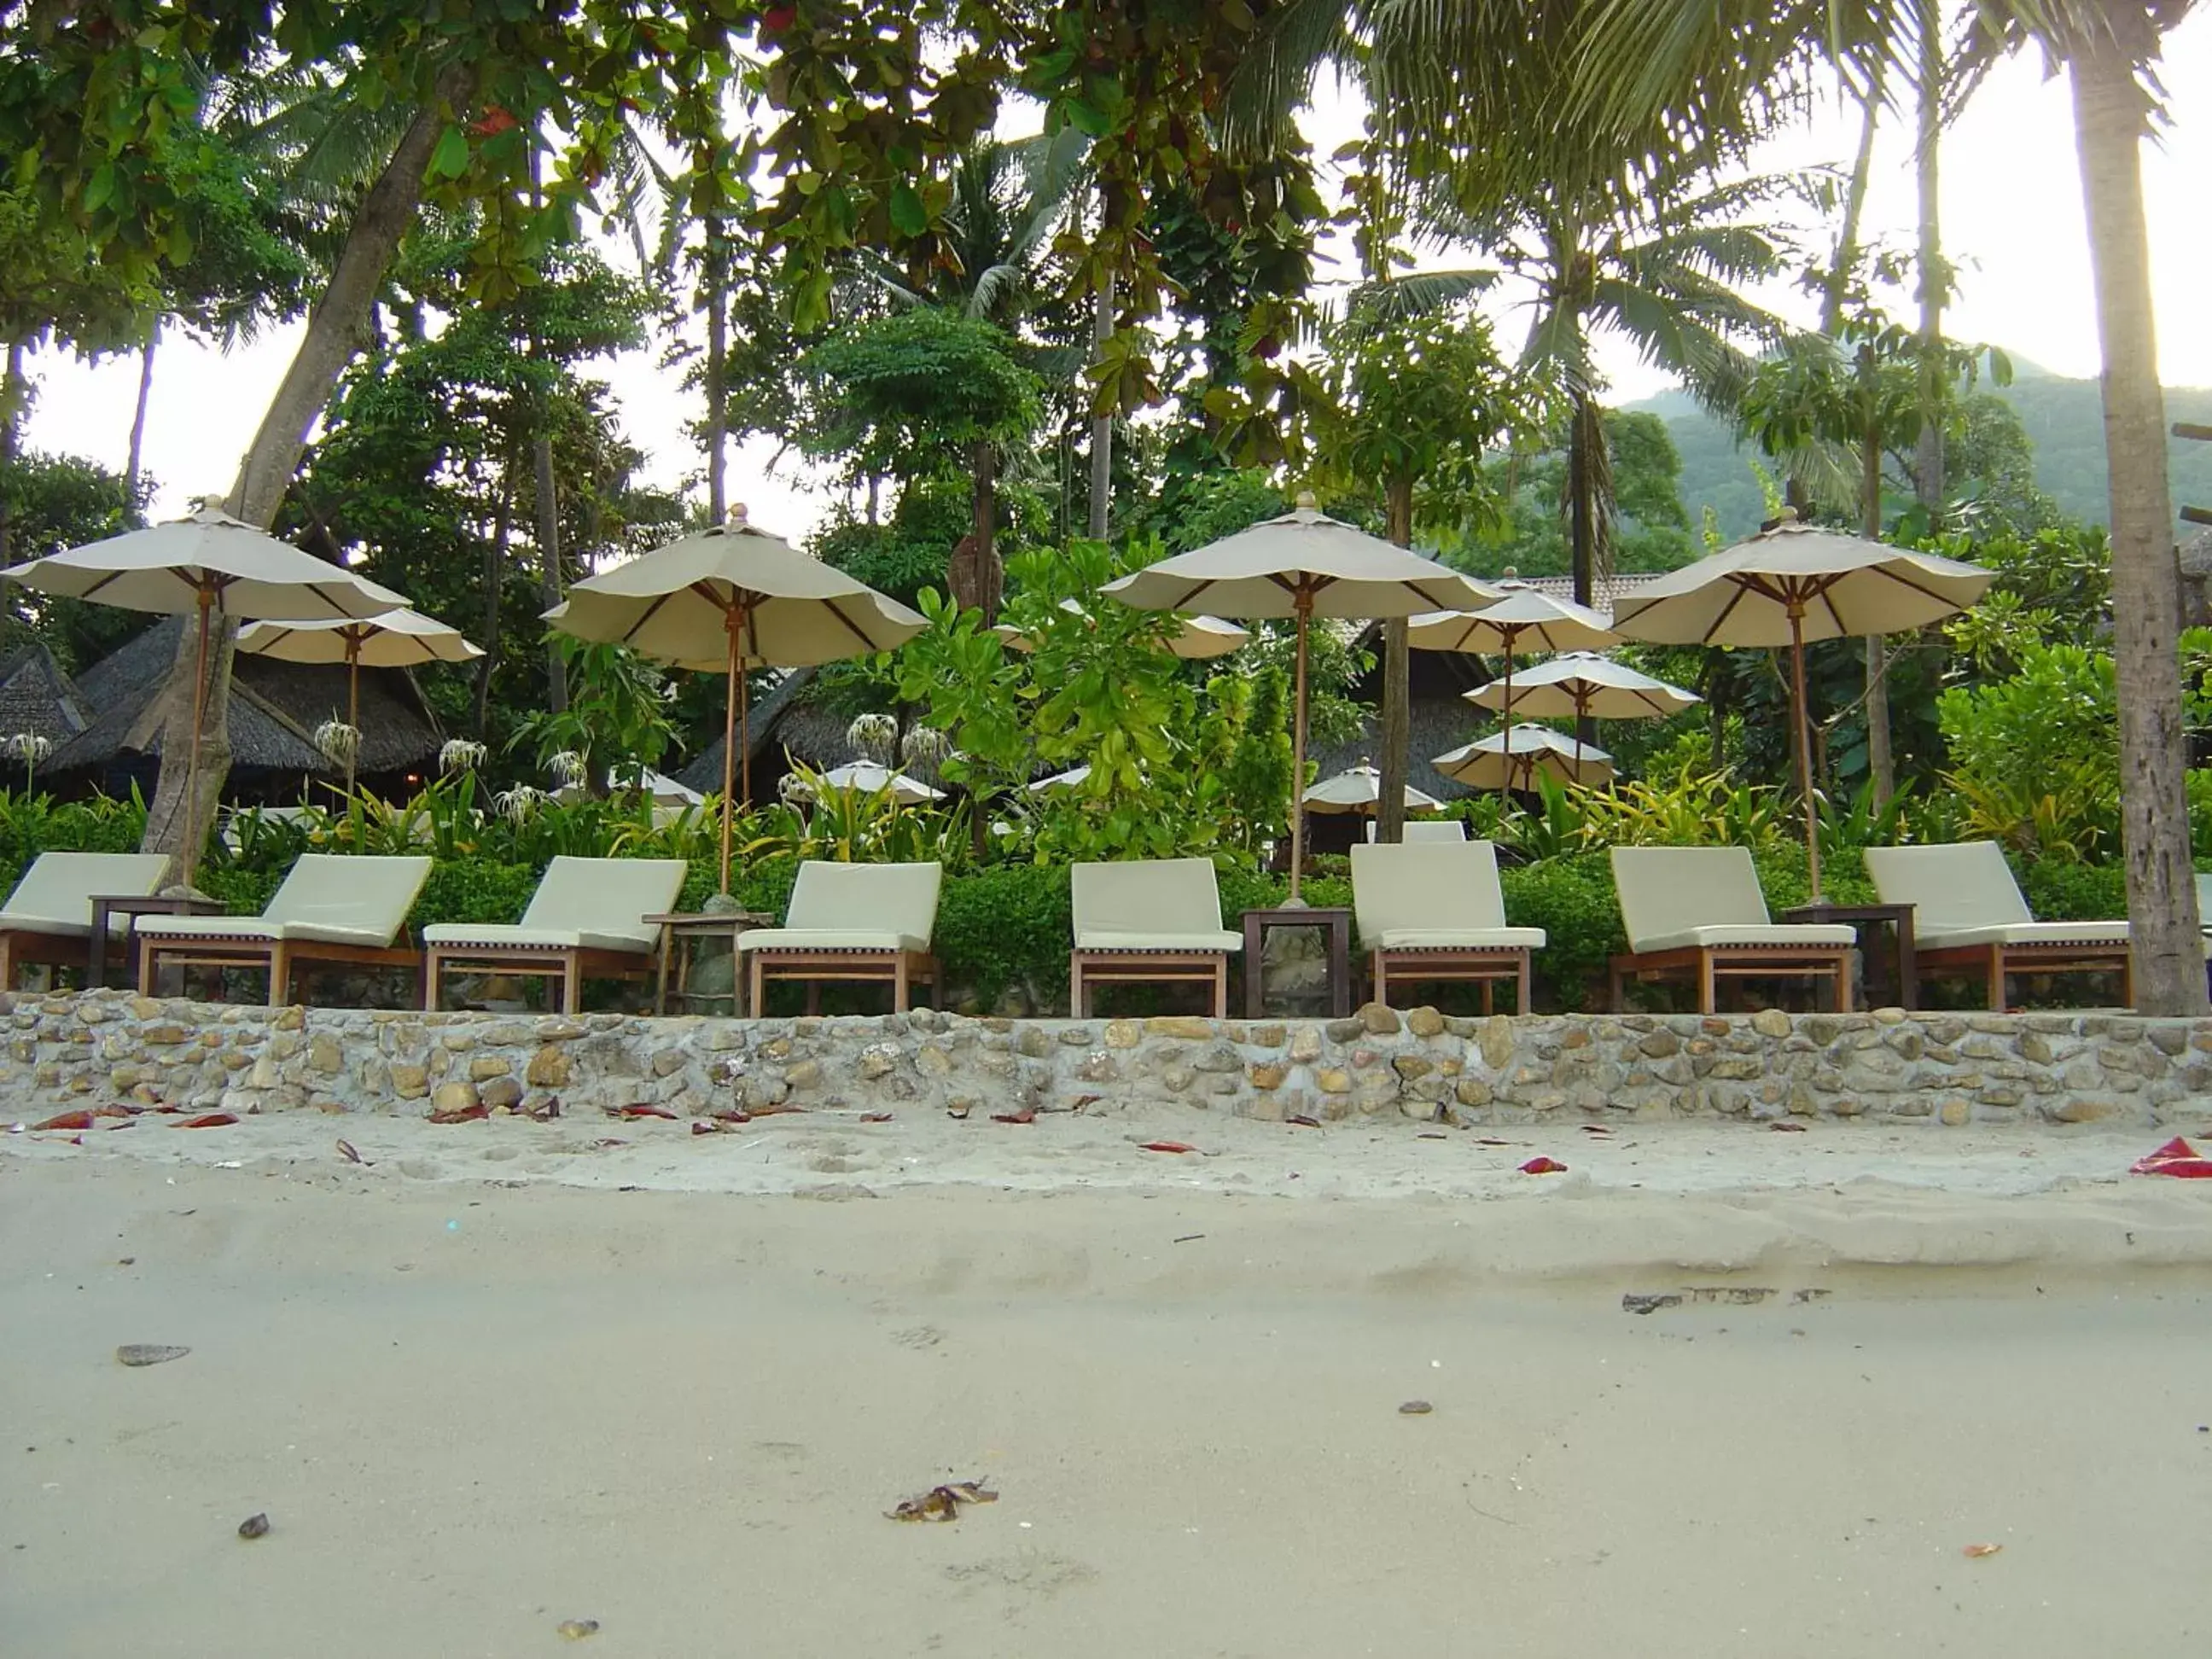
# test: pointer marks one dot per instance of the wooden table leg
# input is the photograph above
(96, 963)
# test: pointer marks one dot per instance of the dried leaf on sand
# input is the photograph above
(1976, 1551)
(254, 1526)
(1027, 1115)
(576, 1630)
(942, 1503)
(149, 1353)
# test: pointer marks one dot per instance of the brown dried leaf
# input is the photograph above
(1977, 1551)
(346, 1151)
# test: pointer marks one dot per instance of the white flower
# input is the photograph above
(460, 755)
(517, 804)
(30, 746)
(924, 746)
(569, 768)
(339, 742)
(871, 736)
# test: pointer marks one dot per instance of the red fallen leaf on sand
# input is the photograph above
(66, 1120)
(1027, 1115)
(213, 1121)
(710, 1129)
(1543, 1166)
(732, 1116)
(2177, 1157)
(1165, 1146)
(1787, 1128)
(1304, 1121)
(632, 1113)
(462, 1115)
(875, 1117)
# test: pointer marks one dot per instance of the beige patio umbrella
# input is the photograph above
(1526, 621)
(396, 639)
(869, 777)
(1301, 566)
(728, 597)
(1198, 638)
(1795, 583)
(1359, 789)
(1514, 758)
(204, 563)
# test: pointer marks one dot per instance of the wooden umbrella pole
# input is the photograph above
(193, 759)
(731, 692)
(353, 705)
(1804, 742)
(1298, 757)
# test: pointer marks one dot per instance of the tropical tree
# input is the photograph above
(1647, 55)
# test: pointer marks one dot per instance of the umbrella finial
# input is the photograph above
(1787, 515)
(735, 518)
(1306, 504)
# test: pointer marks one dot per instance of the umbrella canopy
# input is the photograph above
(872, 778)
(199, 564)
(1580, 684)
(1792, 583)
(1199, 637)
(1526, 620)
(394, 639)
(1073, 778)
(1515, 758)
(1359, 789)
(1301, 566)
(207, 558)
(727, 597)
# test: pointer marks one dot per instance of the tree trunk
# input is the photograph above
(549, 571)
(334, 328)
(134, 463)
(974, 576)
(1101, 426)
(494, 573)
(1846, 257)
(2109, 121)
(14, 393)
(717, 269)
(1588, 472)
(1935, 275)
(1396, 759)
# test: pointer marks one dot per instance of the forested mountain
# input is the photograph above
(2064, 417)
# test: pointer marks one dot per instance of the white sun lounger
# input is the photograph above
(1698, 910)
(587, 916)
(1140, 921)
(48, 918)
(1427, 830)
(1968, 916)
(850, 921)
(1432, 911)
(331, 908)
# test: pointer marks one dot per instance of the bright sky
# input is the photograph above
(2012, 212)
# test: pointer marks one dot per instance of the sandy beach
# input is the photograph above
(498, 1376)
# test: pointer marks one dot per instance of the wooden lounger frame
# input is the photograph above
(1486, 964)
(1136, 966)
(1707, 964)
(569, 964)
(1992, 963)
(814, 967)
(21, 947)
(282, 959)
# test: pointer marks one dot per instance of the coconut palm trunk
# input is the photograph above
(2110, 118)
(1397, 717)
(334, 332)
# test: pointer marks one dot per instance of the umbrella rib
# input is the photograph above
(1728, 610)
(851, 626)
(629, 634)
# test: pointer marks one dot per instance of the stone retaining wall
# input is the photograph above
(98, 1048)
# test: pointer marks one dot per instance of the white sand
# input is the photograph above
(477, 1399)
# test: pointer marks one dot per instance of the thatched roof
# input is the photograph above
(37, 697)
(274, 708)
(781, 719)
(1604, 592)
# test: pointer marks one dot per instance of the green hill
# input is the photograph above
(2064, 419)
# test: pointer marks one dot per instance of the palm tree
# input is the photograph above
(1645, 53)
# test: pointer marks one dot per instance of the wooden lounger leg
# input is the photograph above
(1620, 990)
(1520, 984)
(433, 966)
(757, 985)
(1221, 986)
(1489, 997)
(900, 990)
(1708, 999)
(1844, 982)
(1381, 979)
(1997, 978)
(7, 962)
(571, 983)
(149, 967)
(2127, 978)
(1076, 998)
(280, 974)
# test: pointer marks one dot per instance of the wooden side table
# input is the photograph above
(1906, 982)
(130, 906)
(1338, 924)
(678, 925)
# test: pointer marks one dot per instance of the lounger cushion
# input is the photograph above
(894, 902)
(1148, 904)
(601, 904)
(255, 930)
(494, 939)
(1184, 944)
(1769, 938)
(1446, 939)
(56, 893)
(1952, 887)
(1429, 887)
(1668, 894)
(2028, 933)
(827, 938)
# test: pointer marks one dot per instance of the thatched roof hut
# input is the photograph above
(781, 723)
(274, 708)
(38, 697)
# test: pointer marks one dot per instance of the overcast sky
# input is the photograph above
(2012, 212)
